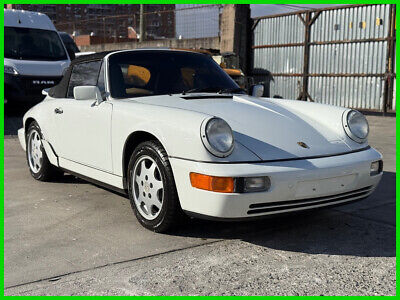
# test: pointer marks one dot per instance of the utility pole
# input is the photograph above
(104, 30)
(141, 23)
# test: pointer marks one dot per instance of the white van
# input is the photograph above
(34, 56)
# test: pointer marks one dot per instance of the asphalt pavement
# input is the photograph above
(73, 238)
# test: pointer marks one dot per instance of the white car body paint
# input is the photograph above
(89, 139)
(94, 135)
(287, 178)
(78, 54)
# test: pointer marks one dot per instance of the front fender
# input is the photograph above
(41, 114)
(177, 130)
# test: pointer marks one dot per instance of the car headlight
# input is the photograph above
(10, 70)
(217, 137)
(355, 125)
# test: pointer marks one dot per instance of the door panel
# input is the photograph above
(84, 132)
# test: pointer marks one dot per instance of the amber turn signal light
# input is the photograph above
(213, 183)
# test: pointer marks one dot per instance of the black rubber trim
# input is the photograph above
(263, 217)
(309, 200)
(304, 205)
(88, 166)
(207, 97)
(54, 152)
(273, 160)
(96, 182)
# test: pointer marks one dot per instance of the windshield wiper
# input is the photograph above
(209, 89)
(230, 90)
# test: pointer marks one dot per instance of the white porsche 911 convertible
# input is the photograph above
(173, 131)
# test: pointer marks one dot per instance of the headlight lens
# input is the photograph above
(217, 137)
(356, 126)
(10, 70)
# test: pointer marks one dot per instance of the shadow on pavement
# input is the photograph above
(326, 231)
(67, 178)
(13, 118)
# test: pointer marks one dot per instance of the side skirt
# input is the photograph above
(113, 182)
(92, 173)
(120, 191)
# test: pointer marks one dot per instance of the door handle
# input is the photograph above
(58, 110)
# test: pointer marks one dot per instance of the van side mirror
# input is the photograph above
(257, 90)
(71, 53)
(88, 92)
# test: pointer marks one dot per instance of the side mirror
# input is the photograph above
(88, 92)
(257, 90)
(71, 53)
(45, 92)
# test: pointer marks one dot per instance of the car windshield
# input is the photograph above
(153, 72)
(32, 44)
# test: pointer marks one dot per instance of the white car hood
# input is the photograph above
(268, 129)
(37, 68)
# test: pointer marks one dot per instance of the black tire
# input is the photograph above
(47, 171)
(170, 213)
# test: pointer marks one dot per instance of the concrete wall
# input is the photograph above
(206, 43)
(235, 32)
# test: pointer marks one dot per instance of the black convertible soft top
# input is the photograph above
(90, 57)
(60, 90)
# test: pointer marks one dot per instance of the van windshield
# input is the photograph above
(32, 44)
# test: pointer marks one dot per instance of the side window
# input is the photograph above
(83, 74)
(100, 81)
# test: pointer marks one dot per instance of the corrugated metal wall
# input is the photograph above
(288, 60)
(347, 61)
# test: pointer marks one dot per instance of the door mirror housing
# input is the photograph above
(71, 53)
(257, 90)
(88, 92)
(45, 92)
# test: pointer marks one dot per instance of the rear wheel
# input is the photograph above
(39, 165)
(152, 189)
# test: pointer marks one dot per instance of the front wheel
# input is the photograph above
(152, 189)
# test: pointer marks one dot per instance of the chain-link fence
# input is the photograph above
(197, 21)
(119, 23)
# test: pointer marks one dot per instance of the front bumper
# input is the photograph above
(295, 185)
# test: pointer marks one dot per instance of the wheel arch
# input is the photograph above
(132, 141)
(28, 122)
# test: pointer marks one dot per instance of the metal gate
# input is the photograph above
(341, 56)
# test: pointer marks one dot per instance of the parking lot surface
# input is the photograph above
(74, 238)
